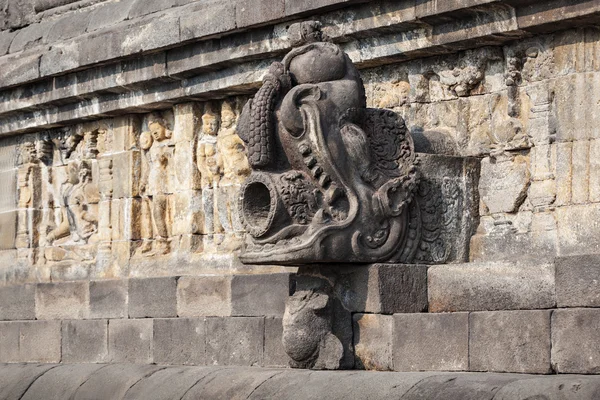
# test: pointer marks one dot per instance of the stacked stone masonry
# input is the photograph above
(120, 169)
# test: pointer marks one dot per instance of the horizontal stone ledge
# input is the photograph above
(393, 34)
(491, 286)
(148, 382)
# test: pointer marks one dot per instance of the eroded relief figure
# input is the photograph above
(332, 180)
(154, 188)
(208, 165)
(234, 167)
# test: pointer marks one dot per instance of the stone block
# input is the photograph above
(259, 295)
(578, 281)
(169, 383)
(218, 17)
(109, 14)
(69, 26)
(125, 173)
(62, 300)
(153, 297)
(551, 387)
(130, 340)
(85, 341)
(40, 341)
(575, 341)
(115, 379)
(254, 12)
(8, 221)
(179, 341)
(30, 37)
(577, 230)
(296, 7)
(187, 212)
(234, 341)
(6, 38)
(19, 68)
(385, 288)
(61, 382)
(491, 286)
(274, 353)
(510, 341)
(151, 34)
(108, 299)
(18, 302)
(204, 295)
(431, 342)
(9, 342)
(373, 335)
(15, 381)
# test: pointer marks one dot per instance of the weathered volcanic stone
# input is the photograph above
(274, 353)
(15, 381)
(62, 300)
(490, 286)
(235, 341)
(179, 341)
(85, 341)
(114, 380)
(205, 295)
(130, 341)
(153, 297)
(578, 281)
(510, 341)
(9, 341)
(431, 342)
(40, 341)
(108, 299)
(259, 295)
(61, 382)
(575, 341)
(18, 302)
(373, 335)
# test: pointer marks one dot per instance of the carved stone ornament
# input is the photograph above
(331, 181)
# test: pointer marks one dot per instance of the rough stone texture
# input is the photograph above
(578, 281)
(575, 343)
(253, 12)
(18, 302)
(274, 353)
(235, 341)
(248, 297)
(40, 341)
(431, 342)
(373, 335)
(63, 300)
(153, 297)
(217, 17)
(170, 383)
(510, 341)
(491, 286)
(385, 288)
(108, 299)
(130, 340)
(114, 380)
(204, 296)
(85, 341)
(61, 382)
(179, 341)
(154, 382)
(9, 341)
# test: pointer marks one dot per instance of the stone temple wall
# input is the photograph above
(120, 170)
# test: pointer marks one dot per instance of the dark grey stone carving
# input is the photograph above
(332, 181)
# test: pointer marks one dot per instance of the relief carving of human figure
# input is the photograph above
(232, 162)
(155, 185)
(78, 219)
(208, 165)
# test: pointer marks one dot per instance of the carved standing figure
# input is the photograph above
(155, 184)
(210, 172)
(233, 164)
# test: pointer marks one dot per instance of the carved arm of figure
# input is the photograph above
(61, 231)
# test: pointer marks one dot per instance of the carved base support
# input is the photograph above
(317, 329)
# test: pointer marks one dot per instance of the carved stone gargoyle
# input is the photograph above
(331, 180)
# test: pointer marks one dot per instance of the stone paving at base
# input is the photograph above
(148, 382)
